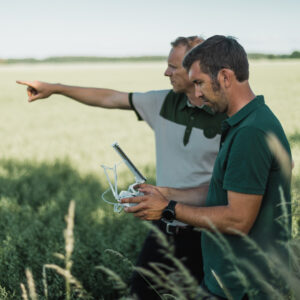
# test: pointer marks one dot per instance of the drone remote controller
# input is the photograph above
(131, 192)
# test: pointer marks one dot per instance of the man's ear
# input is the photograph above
(225, 77)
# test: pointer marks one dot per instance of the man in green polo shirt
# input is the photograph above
(249, 194)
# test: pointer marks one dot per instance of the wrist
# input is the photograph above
(57, 88)
(165, 191)
(168, 193)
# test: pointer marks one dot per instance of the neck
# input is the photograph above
(241, 96)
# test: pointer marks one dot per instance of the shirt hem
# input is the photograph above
(244, 190)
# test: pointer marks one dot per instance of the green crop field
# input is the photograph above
(51, 151)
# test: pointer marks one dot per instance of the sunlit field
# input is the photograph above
(51, 151)
(59, 128)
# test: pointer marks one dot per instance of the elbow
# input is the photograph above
(239, 227)
(242, 229)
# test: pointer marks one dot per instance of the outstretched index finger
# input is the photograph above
(28, 83)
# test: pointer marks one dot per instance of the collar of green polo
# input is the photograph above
(245, 111)
(187, 103)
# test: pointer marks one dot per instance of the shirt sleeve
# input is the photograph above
(249, 162)
(147, 105)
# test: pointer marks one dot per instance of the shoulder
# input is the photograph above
(261, 124)
(150, 95)
(246, 136)
(172, 100)
(262, 119)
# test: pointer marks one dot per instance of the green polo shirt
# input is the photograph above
(246, 165)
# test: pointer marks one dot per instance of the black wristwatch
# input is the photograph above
(169, 212)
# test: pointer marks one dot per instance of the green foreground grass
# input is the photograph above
(50, 154)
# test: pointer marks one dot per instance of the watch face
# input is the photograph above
(168, 214)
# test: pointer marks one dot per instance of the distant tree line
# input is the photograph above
(74, 59)
(295, 54)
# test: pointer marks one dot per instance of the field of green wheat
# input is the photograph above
(51, 152)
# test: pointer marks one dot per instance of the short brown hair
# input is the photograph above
(189, 42)
(219, 52)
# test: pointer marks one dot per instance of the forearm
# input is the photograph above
(105, 98)
(192, 196)
(211, 218)
(238, 215)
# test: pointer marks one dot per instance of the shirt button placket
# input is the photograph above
(188, 130)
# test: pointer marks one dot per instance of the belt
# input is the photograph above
(171, 229)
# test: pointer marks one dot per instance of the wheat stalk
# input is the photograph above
(69, 246)
(24, 292)
(31, 285)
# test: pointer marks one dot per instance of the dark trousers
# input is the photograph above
(187, 248)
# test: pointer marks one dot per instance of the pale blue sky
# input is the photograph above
(41, 28)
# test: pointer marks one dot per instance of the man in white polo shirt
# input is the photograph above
(187, 141)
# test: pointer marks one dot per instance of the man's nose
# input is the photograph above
(168, 72)
(198, 92)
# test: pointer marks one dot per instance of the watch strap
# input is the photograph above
(171, 207)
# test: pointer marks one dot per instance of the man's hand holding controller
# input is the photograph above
(149, 205)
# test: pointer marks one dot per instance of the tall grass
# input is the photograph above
(96, 270)
(177, 283)
(34, 199)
